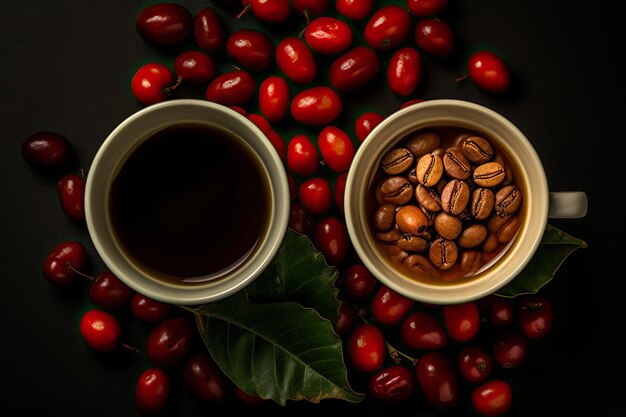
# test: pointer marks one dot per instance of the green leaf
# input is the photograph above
(555, 246)
(299, 273)
(279, 351)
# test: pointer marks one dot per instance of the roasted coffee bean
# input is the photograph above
(420, 264)
(481, 203)
(389, 238)
(508, 230)
(477, 149)
(507, 169)
(489, 174)
(410, 243)
(459, 139)
(456, 165)
(423, 143)
(508, 200)
(430, 215)
(455, 196)
(428, 198)
(472, 236)
(496, 223)
(384, 217)
(397, 160)
(429, 170)
(412, 176)
(471, 261)
(448, 226)
(491, 243)
(411, 219)
(443, 254)
(394, 253)
(440, 152)
(396, 190)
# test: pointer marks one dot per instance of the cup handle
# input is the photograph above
(567, 205)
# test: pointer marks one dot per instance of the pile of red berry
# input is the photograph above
(402, 349)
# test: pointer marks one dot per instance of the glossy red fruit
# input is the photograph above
(316, 195)
(152, 391)
(100, 330)
(425, 8)
(316, 106)
(204, 378)
(509, 348)
(169, 342)
(421, 330)
(366, 348)
(336, 148)
(71, 189)
(390, 307)
(46, 148)
(474, 364)
(357, 282)
(274, 137)
(250, 48)
(489, 71)
(339, 190)
(438, 381)
(404, 71)
(311, 8)
(61, 263)
(149, 310)
(387, 27)
(435, 37)
(293, 187)
(462, 321)
(493, 398)
(300, 219)
(302, 157)
(195, 67)
(365, 123)
(231, 88)
(164, 23)
(209, 30)
(535, 316)
(347, 317)
(498, 311)
(271, 11)
(327, 35)
(239, 110)
(354, 69)
(393, 384)
(354, 9)
(150, 82)
(295, 60)
(330, 236)
(108, 292)
(274, 98)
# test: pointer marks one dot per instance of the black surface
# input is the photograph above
(66, 66)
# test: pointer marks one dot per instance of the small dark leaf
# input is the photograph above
(555, 247)
(279, 351)
(299, 273)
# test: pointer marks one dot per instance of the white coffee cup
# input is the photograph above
(124, 140)
(538, 202)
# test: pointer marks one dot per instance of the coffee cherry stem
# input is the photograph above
(460, 78)
(129, 347)
(76, 271)
(168, 90)
(245, 9)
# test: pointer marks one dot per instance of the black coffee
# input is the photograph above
(190, 204)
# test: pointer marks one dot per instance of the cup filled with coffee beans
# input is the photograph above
(187, 201)
(446, 201)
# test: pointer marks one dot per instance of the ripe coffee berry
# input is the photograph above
(46, 148)
(366, 348)
(100, 330)
(152, 391)
(63, 261)
(357, 282)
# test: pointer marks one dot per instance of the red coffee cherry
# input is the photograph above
(316, 195)
(302, 158)
(295, 60)
(152, 391)
(108, 292)
(300, 219)
(339, 189)
(330, 236)
(435, 37)
(209, 30)
(497, 310)
(46, 148)
(421, 330)
(232, 88)
(274, 98)
(404, 71)
(195, 67)
(493, 398)
(355, 9)
(489, 71)
(250, 48)
(438, 380)
(149, 310)
(100, 330)
(336, 148)
(164, 23)
(474, 364)
(150, 83)
(425, 8)
(316, 106)
(204, 378)
(365, 123)
(393, 384)
(366, 348)
(354, 69)
(389, 307)
(168, 343)
(509, 348)
(347, 317)
(387, 27)
(327, 35)
(462, 321)
(275, 11)
(357, 282)
(535, 316)
(72, 196)
(63, 261)
(309, 8)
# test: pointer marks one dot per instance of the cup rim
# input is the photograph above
(440, 112)
(135, 129)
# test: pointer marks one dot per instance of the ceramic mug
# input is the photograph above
(124, 140)
(538, 202)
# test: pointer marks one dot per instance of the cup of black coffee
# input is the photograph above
(447, 201)
(187, 201)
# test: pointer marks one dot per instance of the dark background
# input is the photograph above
(66, 66)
